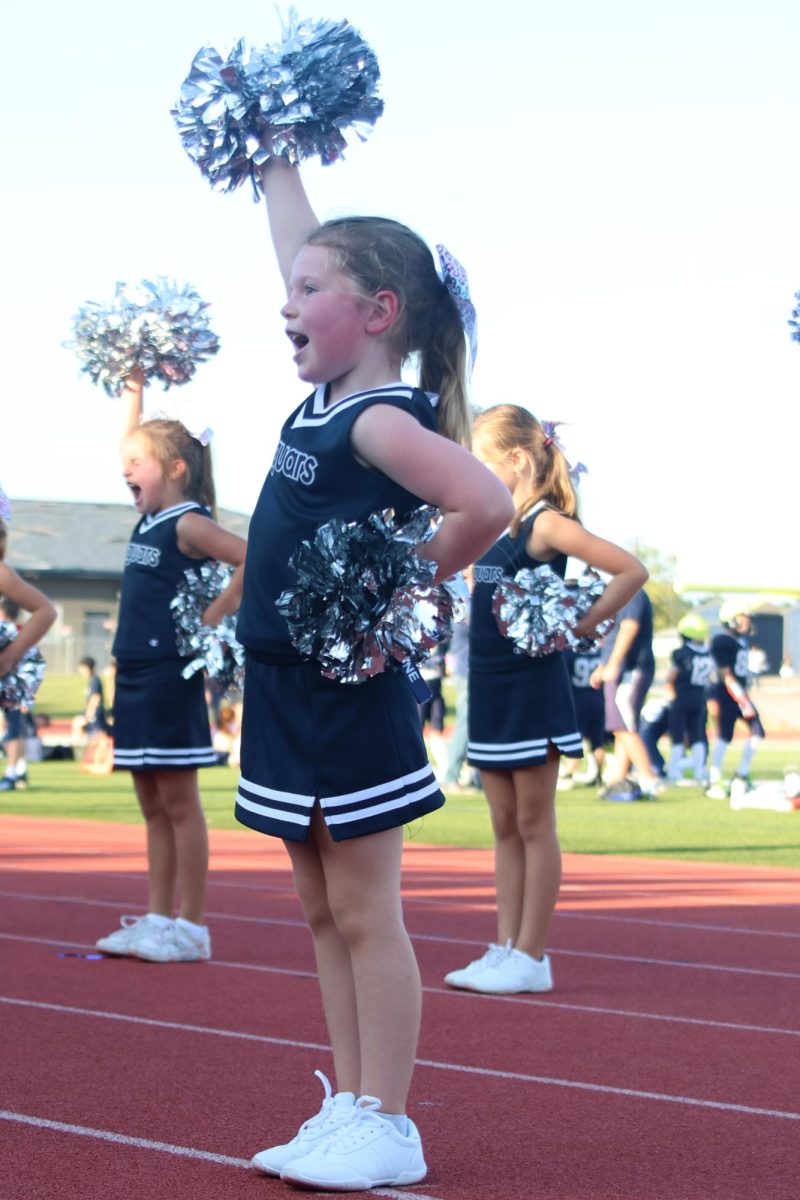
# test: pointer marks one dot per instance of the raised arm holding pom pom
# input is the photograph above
(363, 294)
(161, 729)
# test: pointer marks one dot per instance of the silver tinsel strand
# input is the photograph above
(295, 100)
(213, 649)
(364, 601)
(538, 611)
(19, 686)
(159, 326)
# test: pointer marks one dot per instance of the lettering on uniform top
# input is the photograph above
(142, 556)
(294, 464)
(487, 574)
(153, 642)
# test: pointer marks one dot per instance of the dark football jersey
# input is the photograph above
(729, 650)
(694, 668)
(581, 665)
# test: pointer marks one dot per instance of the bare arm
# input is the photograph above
(132, 395)
(553, 531)
(291, 217)
(477, 506)
(42, 615)
(200, 537)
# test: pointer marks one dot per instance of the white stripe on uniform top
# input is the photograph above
(321, 414)
(149, 521)
(363, 814)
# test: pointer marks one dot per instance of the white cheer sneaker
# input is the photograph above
(335, 1111)
(365, 1152)
(123, 940)
(176, 942)
(515, 972)
(463, 977)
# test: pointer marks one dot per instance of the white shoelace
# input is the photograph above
(357, 1127)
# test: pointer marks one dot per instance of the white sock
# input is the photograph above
(21, 767)
(698, 759)
(400, 1122)
(750, 747)
(717, 755)
(197, 930)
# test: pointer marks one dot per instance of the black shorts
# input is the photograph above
(516, 713)
(160, 718)
(687, 719)
(357, 749)
(590, 710)
(730, 713)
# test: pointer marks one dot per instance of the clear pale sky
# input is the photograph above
(620, 180)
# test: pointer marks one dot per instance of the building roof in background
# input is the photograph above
(65, 537)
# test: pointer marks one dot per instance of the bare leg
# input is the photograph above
(362, 878)
(509, 853)
(161, 868)
(536, 818)
(527, 852)
(333, 964)
(180, 801)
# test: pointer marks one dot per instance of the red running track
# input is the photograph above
(665, 1065)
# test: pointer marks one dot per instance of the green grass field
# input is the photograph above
(681, 824)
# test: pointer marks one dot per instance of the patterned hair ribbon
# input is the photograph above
(552, 438)
(204, 436)
(5, 506)
(454, 278)
(161, 414)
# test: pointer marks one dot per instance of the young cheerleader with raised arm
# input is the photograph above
(522, 714)
(16, 594)
(161, 730)
(337, 770)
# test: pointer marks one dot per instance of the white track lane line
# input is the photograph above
(457, 1068)
(635, 959)
(454, 993)
(122, 1139)
(441, 902)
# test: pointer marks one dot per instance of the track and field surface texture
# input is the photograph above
(665, 1065)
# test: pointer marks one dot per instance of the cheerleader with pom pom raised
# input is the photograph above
(161, 727)
(335, 770)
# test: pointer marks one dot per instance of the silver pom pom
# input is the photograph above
(160, 326)
(19, 686)
(294, 100)
(538, 611)
(364, 601)
(213, 649)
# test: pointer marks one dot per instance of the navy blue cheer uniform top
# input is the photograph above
(154, 567)
(518, 704)
(314, 476)
(160, 718)
(357, 749)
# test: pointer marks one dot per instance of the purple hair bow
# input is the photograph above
(454, 278)
(5, 506)
(579, 469)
